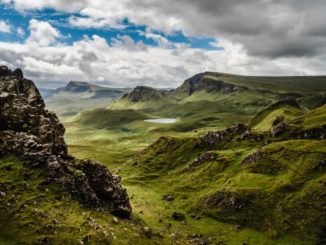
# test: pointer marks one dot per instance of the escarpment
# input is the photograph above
(35, 135)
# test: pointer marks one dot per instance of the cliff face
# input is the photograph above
(200, 82)
(35, 135)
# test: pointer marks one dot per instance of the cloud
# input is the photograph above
(5, 27)
(266, 28)
(60, 5)
(129, 63)
(42, 33)
(259, 37)
(20, 32)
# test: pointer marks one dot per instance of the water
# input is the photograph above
(162, 120)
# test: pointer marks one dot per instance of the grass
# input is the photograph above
(49, 215)
(280, 193)
(264, 120)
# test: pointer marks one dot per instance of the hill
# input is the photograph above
(270, 182)
(79, 96)
(141, 97)
(280, 111)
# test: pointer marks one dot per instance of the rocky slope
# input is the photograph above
(35, 135)
(200, 82)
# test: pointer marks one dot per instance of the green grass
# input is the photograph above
(31, 214)
(263, 121)
(313, 118)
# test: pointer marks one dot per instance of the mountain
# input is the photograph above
(140, 97)
(143, 94)
(205, 81)
(214, 81)
(93, 91)
(78, 96)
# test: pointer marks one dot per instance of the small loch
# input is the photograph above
(162, 120)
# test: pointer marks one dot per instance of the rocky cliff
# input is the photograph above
(34, 134)
(201, 82)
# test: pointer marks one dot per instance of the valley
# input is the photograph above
(150, 173)
(222, 159)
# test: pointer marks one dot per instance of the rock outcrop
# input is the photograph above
(204, 158)
(34, 134)
(286, 131)
(234, 133)
(201, 82)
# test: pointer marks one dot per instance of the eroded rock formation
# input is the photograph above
(34, 134)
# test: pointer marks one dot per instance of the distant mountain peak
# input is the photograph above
(143, 93)
(80, 86)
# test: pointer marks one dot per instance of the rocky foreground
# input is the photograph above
(35, 135)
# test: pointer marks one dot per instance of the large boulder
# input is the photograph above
(34, 134)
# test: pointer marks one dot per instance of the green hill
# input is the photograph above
(273, 185)
(276, 113)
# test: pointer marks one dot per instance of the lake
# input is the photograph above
(162, 120)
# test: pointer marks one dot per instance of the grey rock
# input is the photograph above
(35, 135)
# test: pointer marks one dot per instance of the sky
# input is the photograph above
(125, 43)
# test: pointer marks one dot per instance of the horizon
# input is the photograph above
(180, 83)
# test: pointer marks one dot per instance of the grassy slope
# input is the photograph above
(313, 118)
(50, 216)
(263, 121)
(285, 186)
(288, 174)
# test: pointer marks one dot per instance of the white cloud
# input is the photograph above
(270, 29)
(42, 33)
(159, 39)
(20, 32)
(5, 27)
(60, 5)
(128, 64)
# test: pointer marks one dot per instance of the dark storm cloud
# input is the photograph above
(270, 28)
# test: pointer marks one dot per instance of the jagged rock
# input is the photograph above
(255, 157)
(32, 133)
(287, 131)
(227, 200)
(206, 157)
(279, 129)
(234, 133)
